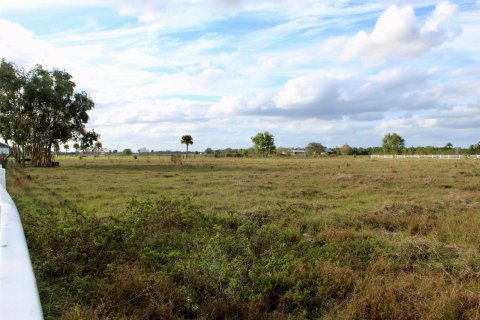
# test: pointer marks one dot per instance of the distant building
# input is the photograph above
(4, 150)
(297, 152)
(329, 151)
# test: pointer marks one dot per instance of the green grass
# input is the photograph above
(348, 238)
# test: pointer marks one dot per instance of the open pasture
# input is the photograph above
(348, 238)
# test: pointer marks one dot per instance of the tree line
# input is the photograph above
(392, 143)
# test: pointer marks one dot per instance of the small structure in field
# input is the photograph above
(297, 152)
(176, 158)
(329, 152)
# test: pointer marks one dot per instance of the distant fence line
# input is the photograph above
(424, 156)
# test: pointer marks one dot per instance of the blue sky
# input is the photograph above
(325, 71)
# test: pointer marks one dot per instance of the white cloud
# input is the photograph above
(239, 104)
(304, 91)
(427, 122)
(18, 44)
(458, 117)
(442, 14)
(395, 125)
(355, 96)
(397, 35)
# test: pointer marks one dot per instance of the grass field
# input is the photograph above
(336, 238)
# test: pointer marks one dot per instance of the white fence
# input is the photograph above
(18, 289)
(423, 156)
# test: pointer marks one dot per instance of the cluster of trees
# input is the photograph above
(314, 148)
(40, 110)
(95, 147)
(392, 143)
(395, 144)
(475, 148)
(264, 143)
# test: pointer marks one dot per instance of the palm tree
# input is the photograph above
(187, 140)
(98, 146)
(76, 146)
(66, 147)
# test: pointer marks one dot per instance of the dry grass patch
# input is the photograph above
(254, 238)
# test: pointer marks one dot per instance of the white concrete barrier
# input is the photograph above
(18, 289)
(3, 179)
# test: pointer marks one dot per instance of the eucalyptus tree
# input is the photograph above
(40, 109)
(14, 119)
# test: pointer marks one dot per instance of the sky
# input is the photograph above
(330, 71)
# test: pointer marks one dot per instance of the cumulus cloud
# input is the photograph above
(458, 117)
(145, 111)
(358, 97)
(305, 91)
(397, 35)
(239, 104)
(394, 125)
(427, 122)
(18, 44)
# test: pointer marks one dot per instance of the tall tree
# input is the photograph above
(264, 142)
(314, 148)
(66, 147)
(40, 109)
(98, 147)
(475, 148)
(14, 119)
(76, 146)
(187, 140)
(392, 144)
(87, 140)
(346, 149)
